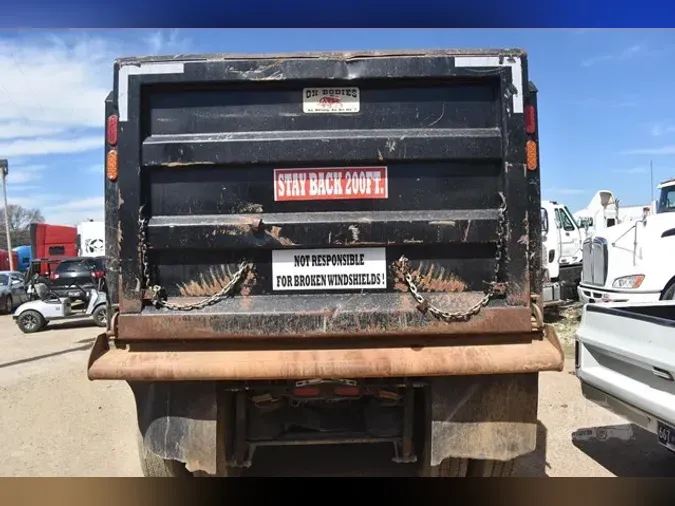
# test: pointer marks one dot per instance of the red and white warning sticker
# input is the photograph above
(348, 183)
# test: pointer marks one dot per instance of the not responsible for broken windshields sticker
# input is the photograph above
(345, 183)
(329, 269)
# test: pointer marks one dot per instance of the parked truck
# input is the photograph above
(326, 249)
(633, 261)
(601, 213)
(625, 362)
(52, 241)
(562, 253)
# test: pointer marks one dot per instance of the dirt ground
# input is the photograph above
(54, 422)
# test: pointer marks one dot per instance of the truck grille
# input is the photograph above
(594, 265)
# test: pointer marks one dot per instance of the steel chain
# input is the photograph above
(402, 264)
(449, 316)
(157, 296)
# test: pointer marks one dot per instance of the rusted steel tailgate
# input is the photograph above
(317, 175)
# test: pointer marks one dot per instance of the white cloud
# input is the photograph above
(659, 129)
(88, 203)
(623, 55)
(18, 129)
(34, 201)
(11, 188)
(23, 174)
(565, 191)
(165, 42)
(50, 146)
(57, 83)
(74, 212)
(662, 150)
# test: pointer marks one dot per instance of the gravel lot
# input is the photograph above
(54, 422)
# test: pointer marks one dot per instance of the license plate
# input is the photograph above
(329, 269)
(665, 435)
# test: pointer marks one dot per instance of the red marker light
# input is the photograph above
(530, 119)
(111, 130)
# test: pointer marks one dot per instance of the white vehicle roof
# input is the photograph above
(666, 184)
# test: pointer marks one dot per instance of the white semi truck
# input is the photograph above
(633, 261)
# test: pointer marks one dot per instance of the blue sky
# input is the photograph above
(606, 105)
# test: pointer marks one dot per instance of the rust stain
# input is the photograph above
(246, 286)
(437, 280)
(275, 233)
(216, 279)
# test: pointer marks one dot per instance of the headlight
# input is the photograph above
(629, 281)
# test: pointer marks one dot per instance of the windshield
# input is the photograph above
(4, 279)
(666, 200)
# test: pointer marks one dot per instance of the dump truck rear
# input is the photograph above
(326, 249)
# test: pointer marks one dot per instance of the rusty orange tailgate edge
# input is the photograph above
(120, 364)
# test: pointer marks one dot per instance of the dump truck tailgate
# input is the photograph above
(325, 179)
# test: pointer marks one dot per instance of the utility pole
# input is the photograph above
(4, 166)
(651, 182)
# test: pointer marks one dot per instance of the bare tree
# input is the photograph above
(20, 219)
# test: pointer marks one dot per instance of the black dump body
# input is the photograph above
(350, 161)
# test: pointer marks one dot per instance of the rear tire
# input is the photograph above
(9, 305)
(669, 294)
(31, 321)
(100, 316)
(461, 468)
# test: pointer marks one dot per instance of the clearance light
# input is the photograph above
(111, 168)
(111, 130)
(531, 149)
(530, 120)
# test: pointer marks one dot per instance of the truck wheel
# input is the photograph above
(154, 466)
(100, 316)
(670, 293)
(31, 321)
(490, 468)
(460, 468)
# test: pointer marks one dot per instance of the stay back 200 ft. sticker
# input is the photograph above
(344, 183)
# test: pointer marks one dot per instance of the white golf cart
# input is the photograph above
(33, 316)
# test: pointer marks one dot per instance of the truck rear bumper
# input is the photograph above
(521, 353)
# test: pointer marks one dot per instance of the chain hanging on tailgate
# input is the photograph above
(158, 298)
(461, 316)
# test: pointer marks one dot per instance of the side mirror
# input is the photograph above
(15, 282)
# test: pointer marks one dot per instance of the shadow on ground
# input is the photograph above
(626, 451)
(84, 347)
(534, 465)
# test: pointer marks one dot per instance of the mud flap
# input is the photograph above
(483, 417)
(179, 421)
